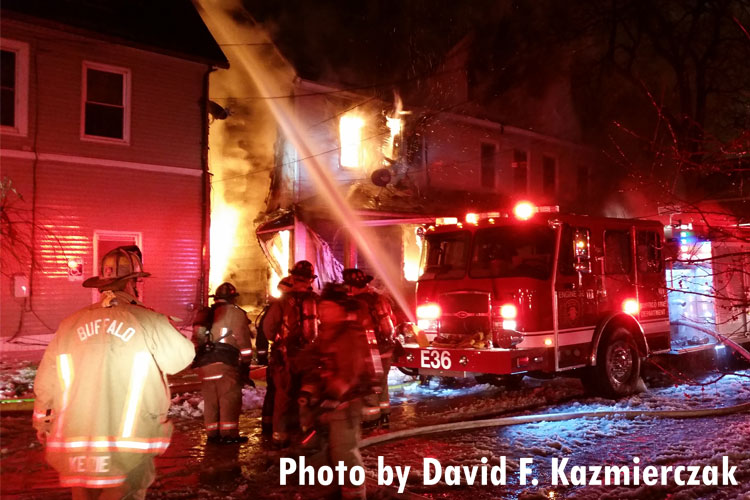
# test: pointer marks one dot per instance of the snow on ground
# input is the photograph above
(190, 404)
(596, 440)
(17, 379)
(611, 440)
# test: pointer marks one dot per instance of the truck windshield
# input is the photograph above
(445, 255)
(513, 251)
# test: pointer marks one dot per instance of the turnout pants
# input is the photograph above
(136, 483)
(285, 406)
(343, 443)
(222, 400)
(376, 405)
(268, 400)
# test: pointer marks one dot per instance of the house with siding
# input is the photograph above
(104, 131)
(437, 161)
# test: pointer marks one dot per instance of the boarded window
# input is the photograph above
(549, 176)
(8, 86)
(105, 103)
(488, 165)
(617, 252)
(520, 171)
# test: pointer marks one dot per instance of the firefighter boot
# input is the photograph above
(385, 421)
(234, 439)
(266, 428)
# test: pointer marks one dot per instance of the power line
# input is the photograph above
(342, 90)
(424, 118)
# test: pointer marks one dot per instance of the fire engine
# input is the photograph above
(538, 292)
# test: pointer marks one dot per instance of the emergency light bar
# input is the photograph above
(523, 211)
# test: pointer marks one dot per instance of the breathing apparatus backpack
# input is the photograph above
(213, 351)
(299, 324)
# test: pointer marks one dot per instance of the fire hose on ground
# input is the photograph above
(552, 417)
(545, 417)
(557, 417)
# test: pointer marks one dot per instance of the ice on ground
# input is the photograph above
(190, 404)
(17, 379)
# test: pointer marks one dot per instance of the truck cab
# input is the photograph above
(537, 291)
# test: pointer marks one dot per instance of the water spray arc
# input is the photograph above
(246, 57)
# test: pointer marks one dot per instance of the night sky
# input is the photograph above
(634, 66)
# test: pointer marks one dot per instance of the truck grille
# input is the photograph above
(464, 313)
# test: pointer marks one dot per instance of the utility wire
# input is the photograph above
(388, 84)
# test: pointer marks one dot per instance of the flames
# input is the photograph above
(224, 222)
(394, 122)
(355, 154)
(412, 244)
(281, 252)
(350, 133)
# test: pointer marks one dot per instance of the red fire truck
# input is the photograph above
(539, 292)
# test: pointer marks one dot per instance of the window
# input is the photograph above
(488, 165)
(617, 252)
(575, 249)
(106, 106)
(350, 132)
(14, 84)
(549, 176)
(520, 171)
(648, 251)
(510, 251)
(444, 255)
(582, 177)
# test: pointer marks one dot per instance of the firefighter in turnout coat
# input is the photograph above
(377, 318)
(291, 323)
(262, 348)
(101, 394)
(349, 369)
(223, 354)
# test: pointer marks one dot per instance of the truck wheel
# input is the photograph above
(618, 366)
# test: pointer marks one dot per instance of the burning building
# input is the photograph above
(354, 172)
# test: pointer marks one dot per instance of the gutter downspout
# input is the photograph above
(205, 196)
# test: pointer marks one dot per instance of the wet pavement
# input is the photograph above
(192, 469)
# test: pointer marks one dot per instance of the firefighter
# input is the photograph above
(292, 323)
(103, 375)
(262, 347)
(349, 370)
(376, 315)
(224, 350)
